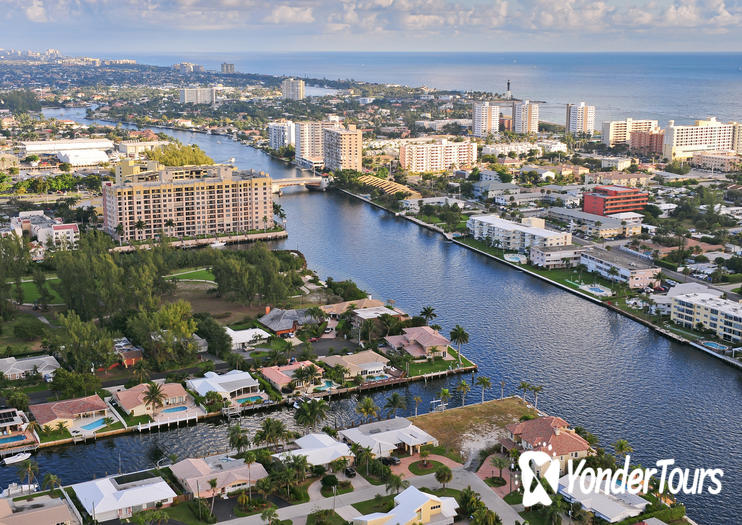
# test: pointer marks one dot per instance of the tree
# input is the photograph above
(154, 397)
(445, 395)
(272, 431)
(39, 280)
(499, 463)
(311, 413)
(443, 475)
(622, 448)
(536, 389)
(463, 388)
(395, 402)
(417, 400)
(485, 516)
(51, 481)
(485, 383)
(428, 313)
(554, 511)
(212, 485)
(140, 371)
(249, 460)
(177, 154)
(424, 454)
(395, 483)
(524, 386)
(367, 408)
(270, 516)
(17, 398)
(83, 344)
(238, 438)
(27, 470)
(459, 337)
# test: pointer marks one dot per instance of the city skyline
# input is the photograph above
(381, 25)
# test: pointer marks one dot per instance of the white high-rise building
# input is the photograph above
(438, 156)
(525, 117)
(198, 95)
(580, 119)
(485, 119)
(343, 148)
(310, 151)
(619, 131)
(681, 142)
(292, 89)
(281, 134)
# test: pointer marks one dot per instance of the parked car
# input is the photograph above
(313, 339)
(391, 460)
(328, 330)
(350, 472)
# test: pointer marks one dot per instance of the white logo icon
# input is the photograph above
(537, 494)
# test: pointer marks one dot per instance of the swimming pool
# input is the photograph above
(715, 346)
(251, 399)
(95, 425)
(376, 378)
(327, 385)
(175, 409)
(11, 439)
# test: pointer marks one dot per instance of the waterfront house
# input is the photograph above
(230, 386)
(548, 434)
(373, 313)
(41, 510)
(112, 498)
(283, 376)
(336, 310)
(319, 449)
(14, 429)
(366, 363)
(127, 353)
(421, 342)
(384, 437)
(242, 339)
(132, 401)
(285, 322)
(68, 411)
(231, 475)
(610, 506)
(44, 365)
(413, 506)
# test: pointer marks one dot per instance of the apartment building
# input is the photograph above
(504, 148)
(281, 134)
(647, 142)
(227, 69)
(551, 257)
(309, 139)
(595, 225)
(621, 267)
(607, 200)
(722, 316)
(46, 230)
(199, 200)
(198, 95)
(525, 117)
(580, 119)
(681, 142)
(134, 148)
(513, 236)
(724, 161)
(343, 148)
(292, 89)
(619, 131)
(485, 118)
(618, 178)
(440, 124)
(52, 147)
(437, 156)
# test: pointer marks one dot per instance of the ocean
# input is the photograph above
(663, 86)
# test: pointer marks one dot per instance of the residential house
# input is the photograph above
(336, 310)
(14, 429)
(319, 449)
(230, 386)
(414, 507)
(44, 365)
(132, 400)
(366, 363)
(231, 475)
(384, 437)
(282, 377)
(609, 505)
(286, 322)
(548, 434)
(421, 342)
(242, 339)
(68, 411)
(128, 353)
(112, 498)
(40, 510)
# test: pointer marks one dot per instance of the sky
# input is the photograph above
(116, 27)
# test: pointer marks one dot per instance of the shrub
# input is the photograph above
(329, 481)
(200, 508)
(28, 329)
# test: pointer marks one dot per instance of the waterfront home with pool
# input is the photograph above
(14, 429)
(44, 365)
(119, 497)
(282, 377)
(231, 475)
(421, 342)
(367, 364)
(319, 449)
(85, 413)
(610, 506)
(384, 437)
(132, 400)
(336, 310)
(235, 386)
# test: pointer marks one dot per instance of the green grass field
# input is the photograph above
(31, 293)
(417, 369)
(199, 275)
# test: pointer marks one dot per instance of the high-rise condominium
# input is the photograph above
(227, 69)
(439, 156)
(705, 135)
(197, 96)
(292, 89)
(485, 118)
(310, 151)
(619, 131)
(343, 148)
(281, 134)
(580, 119)
(525, 117)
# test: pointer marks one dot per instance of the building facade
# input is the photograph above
(722, 316)
(616, 266)
(607, 200)
(580, 119)
(485, 118)
(439, 156)
(551, 257)
(198, 95)
(595, 225)
(343, 149)
(619, 131)
(292, 89)
(681, 142)
(310, 144)
(724, 161)
(227, 69)
(281, 134)
(219, 200)
(513, 236)
(525, 117)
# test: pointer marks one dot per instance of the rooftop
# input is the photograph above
(619, 258)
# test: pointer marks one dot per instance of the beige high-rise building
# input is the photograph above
(525, 117)
(198, 95)
(309, 137)
(580, 119)
(292, 89)
(485, 118)
(343, 149)
(438, 156)
(199, 200)
(619, 131)
(681, 142)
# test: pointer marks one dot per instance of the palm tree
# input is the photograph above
(525, 386)
(463, 388)
(212, 484)
(395, 483)
(272, 431)
(154, 397)
(445, 395)
(428, 313)
(243, 500)
(51, 481)
(270, 516)
(417, 400)
(536, 389)
(249, 460)
(60, 426)
(395, 402)
(310, 413)
(28, 470)
(485, 383)
(622, 448)
(436, 327)
(499, 463)
(424, 453)
(141, 372)
(238, 438)
(554, 511)
(485, 516)
(443, 475)
(367, 327)
(362, 455)
(140, 225)
(502, 389)
(367, 408)
(119, 231)
(460, 337)
(299, 464)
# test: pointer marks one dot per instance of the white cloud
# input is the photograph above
(36, 12)
(285, 14)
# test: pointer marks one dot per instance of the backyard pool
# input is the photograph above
(95, 425)
(327, 385)
(376, 378)
(11, 439)
(715, 346)
(251, 399)
(175, 409)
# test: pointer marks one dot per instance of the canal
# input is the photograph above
(599, 370)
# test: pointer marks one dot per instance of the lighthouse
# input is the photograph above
(508, 94)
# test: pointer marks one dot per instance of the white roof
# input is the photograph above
(223, 384)
(384, 436)
(373, 312)
(246, 336)
(505, 224)
(45, 364)
(611, 507)
(83, 157)
(407, 504)
(101, 496)
(319, 449)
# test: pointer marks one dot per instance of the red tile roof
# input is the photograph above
(549, 434)
(67, 409)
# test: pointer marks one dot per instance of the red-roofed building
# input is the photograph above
(607, 200)
(421, 342)
(68, 410)
(133, 402)
(282, 376)
(548, 434)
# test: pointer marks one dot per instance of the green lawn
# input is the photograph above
(199, 275)
(441, 450)
(439, 365)
(116, 425)
(56, 493)
(514, 498)
(418, 468)
(54, 435)
(378, 504)
(132, 421)
(31, 293)
(183, 514)
(325, 517)
(343, 488)
(534, 517)
(38, 387)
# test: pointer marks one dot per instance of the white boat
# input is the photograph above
(218, 244)
(17, 458)
(14, 489)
